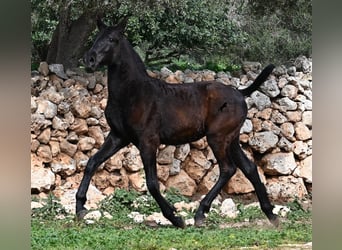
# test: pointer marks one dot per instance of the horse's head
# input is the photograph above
(106, 48)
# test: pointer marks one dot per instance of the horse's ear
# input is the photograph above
(100, 24)
(121, 26)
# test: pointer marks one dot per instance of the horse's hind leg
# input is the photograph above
(250, 171)
(227, 170)
(111, 145)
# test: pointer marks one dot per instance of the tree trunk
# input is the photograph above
(68, 42)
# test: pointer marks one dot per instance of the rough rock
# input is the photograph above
(279, 163)
(270, 88)
(302, 132)
(229, 209)
(42, 179)
(261, 100)
(47, 108)
(196, 165)
(86, 143)
(132, 161)
(63, 164)
(263, 141)
(286, 188)
(165, 156)
(304, 170)
(182, 151)
(183, 183)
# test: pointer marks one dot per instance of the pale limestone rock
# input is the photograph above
(137, 181)
(286, 188)
(132, 161)
(67, 147)
(86, 143)
(304, 169)
(183, 183)
(263, 141)
(165, 156)
(302, 132)
(279, 163)
(229, 209)
(42, 179)
(63, 164)
(196, 165)
(44, 152)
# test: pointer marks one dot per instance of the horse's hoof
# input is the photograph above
(274, 220)
(200, 222)
(80, 214)
(179, 222)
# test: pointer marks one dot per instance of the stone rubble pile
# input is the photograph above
(68, 126)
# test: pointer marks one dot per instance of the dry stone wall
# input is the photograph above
(68, 126)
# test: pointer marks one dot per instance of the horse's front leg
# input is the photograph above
(111, 145)
(148, 156)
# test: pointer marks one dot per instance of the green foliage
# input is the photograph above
(119, 234)
(50, 209)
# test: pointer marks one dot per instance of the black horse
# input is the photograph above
(148, 112)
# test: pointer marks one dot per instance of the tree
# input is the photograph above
(161, 29)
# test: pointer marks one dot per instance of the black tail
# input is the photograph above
(258, 81)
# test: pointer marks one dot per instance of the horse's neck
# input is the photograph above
(129, 69)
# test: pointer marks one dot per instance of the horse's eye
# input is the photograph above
(111, 40)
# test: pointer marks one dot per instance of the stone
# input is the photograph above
(285, 144)
(165, 156)
(81, 160)
(277, 117)
(304, 169)
(163, 172)
(175, 167)
(132, 161)
(302, 132)
(79, 126)
(58, 69)
(209, 180)
(34, 145)
(287, 104)
(287, 130)
(182, 151)
(44, 152)
(137, 181)
(96, 133)
(229, 209)
(300, 149)
(307, 118)
(286, 188)
(279, 163)
(33, 105)
(261, 100)
(63, 164)
(303, 64)
(47, 108)
(45, 136)
(59, 124)
(38, 122)
(115, 161)
(196, 165)
(156, 219)
(81, 108)
(93, 215)
(67, 147)
(263, 141)
(42, 179)
(294, 116)
(239, 184)
(183, 183)
(264, 114)
(86, 143)
(200, 144)
(247, 127)
(270, 88)
(289, 91)
(119, 179)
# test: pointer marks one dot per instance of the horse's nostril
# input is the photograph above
(92, 60)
